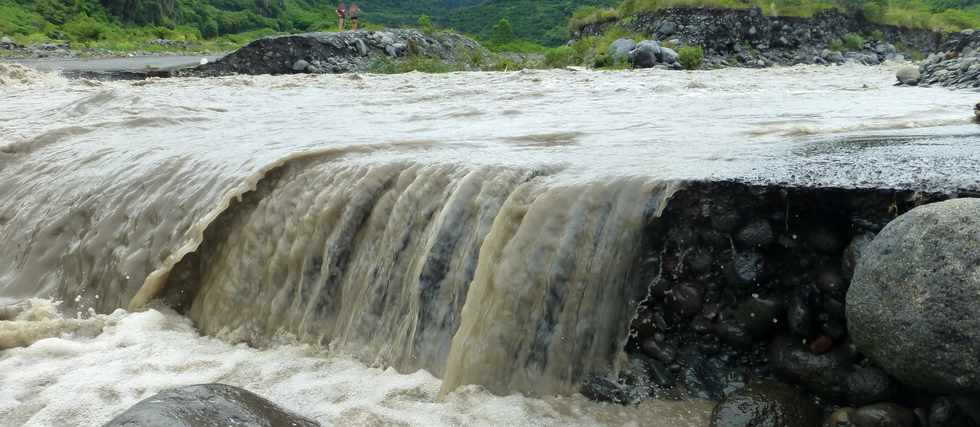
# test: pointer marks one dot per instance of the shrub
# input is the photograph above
(690, 57)
(85, 29)
(560, 57)
(210, 29)
(425, 24)
(502, 33)
(853, 41)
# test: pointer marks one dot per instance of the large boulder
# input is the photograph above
(766, 404)
(207, 405)
(914, 303)
(645, 54)
(668, 55)
(908, 76)
(620, 49)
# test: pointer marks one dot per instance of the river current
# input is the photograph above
(395, 250)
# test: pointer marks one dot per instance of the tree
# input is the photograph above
(502, 33)
(425, 24)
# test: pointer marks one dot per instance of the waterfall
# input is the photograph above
(485, 276)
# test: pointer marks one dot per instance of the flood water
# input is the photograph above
(412, 249)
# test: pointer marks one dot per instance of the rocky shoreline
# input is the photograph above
(320, 53)
(747, 38)
(757, 301)
(956, 64)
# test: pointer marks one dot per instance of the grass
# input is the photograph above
(591, 15)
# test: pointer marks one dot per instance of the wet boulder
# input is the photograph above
(620, 49)
(884, 415)
(601, 389)
(644, 55)
(711, 377)
(914, 304)
(207, 405)
(823, 374)
(766, 404)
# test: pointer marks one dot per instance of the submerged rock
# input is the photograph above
(207, 405)
(914, 304)
(883, 415)
(766, 404)
(601, 389)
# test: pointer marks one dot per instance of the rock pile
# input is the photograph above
(956, 65)
(647, 54)
(750, 285)
(749, 38)
(338, 52)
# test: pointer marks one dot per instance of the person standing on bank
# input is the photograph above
(341, 15)
(354, 11)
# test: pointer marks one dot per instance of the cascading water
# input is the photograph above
(467, 273)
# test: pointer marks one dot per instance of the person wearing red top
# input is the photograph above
(354, 11)
(342, 15)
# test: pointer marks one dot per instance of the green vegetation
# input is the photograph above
(690, 57)
(425, 24)
(853, 42)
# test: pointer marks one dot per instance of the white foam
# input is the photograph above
(74, 379)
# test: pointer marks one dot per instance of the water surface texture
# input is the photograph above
(481, 228)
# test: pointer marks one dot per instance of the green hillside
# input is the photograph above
(128, 24)
(99, 22)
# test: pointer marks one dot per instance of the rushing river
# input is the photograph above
(411, 249)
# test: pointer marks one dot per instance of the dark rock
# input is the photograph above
(644, 55)
(942, 412)
(970, 405)
(766, 404)
(601, 389)
(913, 306)
(760, 316)
(207, 405)
(658, 351)
(799, 315)
(711, 377)
(734, 333)
(756, 234)
(725, 220)
(700, 261)
(748, 268)
(866, 385)
(831, 282)
(300, 66)
(826, 240)
(883, 415)
(685, 299)
(822, 374)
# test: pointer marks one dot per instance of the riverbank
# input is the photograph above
(749, 38)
